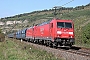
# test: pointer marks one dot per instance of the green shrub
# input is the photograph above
(86, 33)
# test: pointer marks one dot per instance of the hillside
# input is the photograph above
(80, 15)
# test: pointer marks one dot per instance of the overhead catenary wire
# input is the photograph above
(67, 2)
(63, 4)
(58, 7)
(58, 2)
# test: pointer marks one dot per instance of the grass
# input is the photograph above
(15, 50)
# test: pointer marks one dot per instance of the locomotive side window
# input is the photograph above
(68, 25)
(51, 25)
(64, 25)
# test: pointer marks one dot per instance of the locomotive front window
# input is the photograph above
(60, 24)
(64, 25)
(68, 25)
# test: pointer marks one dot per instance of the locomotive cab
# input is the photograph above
(63, 32)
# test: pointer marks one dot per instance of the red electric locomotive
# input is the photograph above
(54, 32)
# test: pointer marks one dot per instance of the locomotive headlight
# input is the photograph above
(70, 32)
(59, 32)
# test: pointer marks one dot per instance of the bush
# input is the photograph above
(86, 33)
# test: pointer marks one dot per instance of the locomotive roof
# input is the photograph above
(62, 20)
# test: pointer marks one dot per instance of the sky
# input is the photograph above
(14, 7)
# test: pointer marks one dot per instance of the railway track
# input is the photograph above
(77, 50)
(83, 53)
